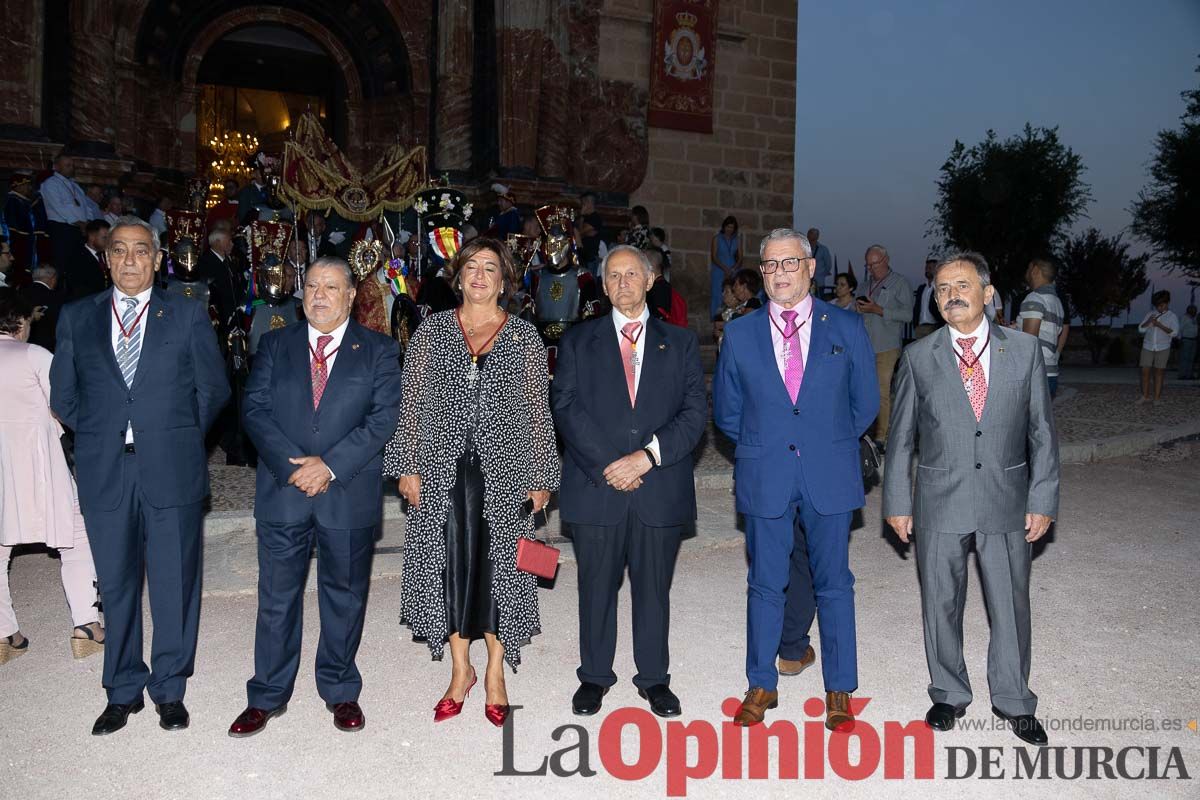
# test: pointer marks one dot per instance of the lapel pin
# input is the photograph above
(159, 314)
(662, 347)
(824, 317)
(354, 346)
(999, 349)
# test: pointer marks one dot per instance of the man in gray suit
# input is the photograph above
(976, 397)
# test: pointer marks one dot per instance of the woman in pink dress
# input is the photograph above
(38, 501)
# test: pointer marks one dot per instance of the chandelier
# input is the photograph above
(233, 151)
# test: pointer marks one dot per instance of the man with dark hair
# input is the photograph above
(47, 302)
(824, 269)
(926, 317)
(975, 396)
(1042, 315)
(87, 270)
(591, 232)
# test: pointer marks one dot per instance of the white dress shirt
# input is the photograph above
(118, 298)
(330, 355)
(619, 322)
(1156, 338)
(981, 338)
(803, 311)
(330, 350)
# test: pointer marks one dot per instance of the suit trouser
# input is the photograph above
(602, 553)
(65, 240)
(771, 543)
(800, 607)
(343, 581)
(133, 539)
(1004, 563)
(78, 580)
(885, 366)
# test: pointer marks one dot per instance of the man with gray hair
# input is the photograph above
(886, 308)
(144, 365)
(794, 389)
(630, 406)
(975, 396)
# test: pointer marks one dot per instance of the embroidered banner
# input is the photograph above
(683, 60)
(317, 175)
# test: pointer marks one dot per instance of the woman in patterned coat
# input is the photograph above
(473, 451)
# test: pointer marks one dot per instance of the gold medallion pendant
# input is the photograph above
(277, 322)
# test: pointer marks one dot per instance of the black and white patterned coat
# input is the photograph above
(515, 441)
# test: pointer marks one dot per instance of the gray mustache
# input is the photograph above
(957, 304)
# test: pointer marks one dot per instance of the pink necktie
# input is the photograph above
(974, 381)
(320, 373)
(629, 339)
(793, 369)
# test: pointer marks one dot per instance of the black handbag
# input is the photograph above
(869, 459)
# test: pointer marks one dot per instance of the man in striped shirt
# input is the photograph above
(1042, 315)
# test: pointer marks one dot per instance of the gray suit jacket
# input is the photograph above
(972, 476)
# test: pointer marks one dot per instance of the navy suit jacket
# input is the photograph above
(358, 414)
(592, 412)
(838, 400)
(179, 389)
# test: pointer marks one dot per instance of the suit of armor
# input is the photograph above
(563, 292)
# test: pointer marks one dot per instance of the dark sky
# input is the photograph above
(886, 87)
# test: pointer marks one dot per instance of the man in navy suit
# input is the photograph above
(320, 404)
(794, 389)
(630, 405)
(138, 376)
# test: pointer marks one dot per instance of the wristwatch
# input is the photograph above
(650, 455)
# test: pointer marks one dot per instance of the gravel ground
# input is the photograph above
(1115, 616)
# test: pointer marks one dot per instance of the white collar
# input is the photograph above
(620, 320)
(980, 333)
(337, 334)
(143, 297)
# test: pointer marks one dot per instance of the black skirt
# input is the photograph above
(471, 610)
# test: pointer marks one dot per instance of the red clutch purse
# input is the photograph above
(537, 558)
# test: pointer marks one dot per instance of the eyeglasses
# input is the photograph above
(788, 264)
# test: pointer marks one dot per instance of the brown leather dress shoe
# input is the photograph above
(754, 707)
(837, 711)
(253, 720)
(789, 667)
(347, 717)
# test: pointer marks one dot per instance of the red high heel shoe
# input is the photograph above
(496, 713)
(447, 707)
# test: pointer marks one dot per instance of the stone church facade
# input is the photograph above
(547, 96)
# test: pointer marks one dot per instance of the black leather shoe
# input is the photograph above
(1025, 726)
(114, 717)
(588, 699)
(173, 716)
(663, 701)
(941, 716)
